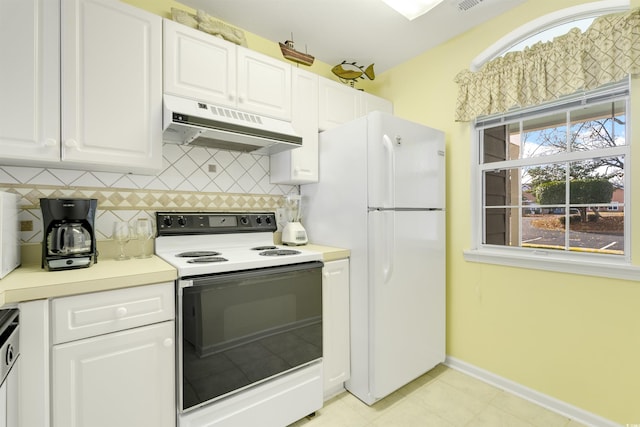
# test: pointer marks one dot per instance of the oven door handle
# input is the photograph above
(257, 274)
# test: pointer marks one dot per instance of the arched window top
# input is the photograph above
(549, 26)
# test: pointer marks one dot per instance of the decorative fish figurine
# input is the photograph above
(352, 71)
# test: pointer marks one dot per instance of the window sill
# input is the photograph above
(544, 260)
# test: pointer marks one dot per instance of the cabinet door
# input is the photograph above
(124, 379)
(111, 85)
(264, 84)
(300, 166)
(338, 104)
(335, 324)
(29, 81)
(369, 103)
(198, 65)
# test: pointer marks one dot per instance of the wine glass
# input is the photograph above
(122, 235)
(144, 232)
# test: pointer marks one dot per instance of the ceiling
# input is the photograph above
(365, 31)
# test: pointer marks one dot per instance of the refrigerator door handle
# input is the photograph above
(388, 245)
(391, 171)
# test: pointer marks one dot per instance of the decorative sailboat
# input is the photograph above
(290, 53)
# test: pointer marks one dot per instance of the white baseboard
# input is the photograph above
(541, 399)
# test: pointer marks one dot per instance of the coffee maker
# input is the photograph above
(69, 233)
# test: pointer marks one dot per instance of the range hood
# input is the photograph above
(192, 122)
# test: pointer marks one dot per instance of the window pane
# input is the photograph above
(602, 232)
(501, 187)
(543, 228)
(544, 136)
(502, 227)
(494, 147)
(598, 126)
(545, 184)
(594, 181)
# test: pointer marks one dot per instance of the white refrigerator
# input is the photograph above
(381, 194)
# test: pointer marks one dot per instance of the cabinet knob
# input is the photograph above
(168, 342)
(50, 142)
(71, 143)
(121, 312)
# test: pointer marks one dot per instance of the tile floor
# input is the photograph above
(441, 398)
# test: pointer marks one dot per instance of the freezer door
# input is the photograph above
(407, 297)
(406, 164)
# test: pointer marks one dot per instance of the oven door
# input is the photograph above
(240, 328)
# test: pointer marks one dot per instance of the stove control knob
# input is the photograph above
(167, 221)
(182, 220)
(244, 220)
(259, 220)
(268, 220)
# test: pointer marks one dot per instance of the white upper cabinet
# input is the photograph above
(264, 84)
(84, 87)
(111, 85)
(369, 103)
(198, 66)
(29, 81)
(206, 68)
(340, 103)
(300, 165)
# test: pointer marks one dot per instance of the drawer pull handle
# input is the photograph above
(121, 312)
(168, 342)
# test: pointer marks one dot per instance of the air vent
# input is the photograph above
(464, 5)
(238, 115)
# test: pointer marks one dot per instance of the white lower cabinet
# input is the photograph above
(335, 300)
(119, 379)
(113, 358)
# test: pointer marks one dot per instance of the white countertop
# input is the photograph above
(30, 282)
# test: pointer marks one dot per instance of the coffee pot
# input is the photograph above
(69, 237)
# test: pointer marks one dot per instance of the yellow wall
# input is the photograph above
(575, 338)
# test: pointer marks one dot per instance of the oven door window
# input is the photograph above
(244, 327)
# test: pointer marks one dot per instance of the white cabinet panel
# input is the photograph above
(87, 315)
(300, 166)
(335, 300)
(205, 68)
(29, 81)
(84, 86)
(198, 65)
(123, 379)
(369, 103)
(111, 85)
(338, 104)
(264, 84)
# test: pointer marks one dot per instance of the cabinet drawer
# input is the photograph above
(88, 315)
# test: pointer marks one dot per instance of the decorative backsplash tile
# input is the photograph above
(193, 178)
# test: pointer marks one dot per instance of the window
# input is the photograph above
(551, 183)
(552, 178)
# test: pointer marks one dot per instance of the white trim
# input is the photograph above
(541, 399)
(547, 21)
(548, 260)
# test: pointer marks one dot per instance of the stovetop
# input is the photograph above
(223, 242)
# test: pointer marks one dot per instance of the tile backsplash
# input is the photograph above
(192, 178)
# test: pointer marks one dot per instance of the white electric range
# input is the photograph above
(249, 327)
